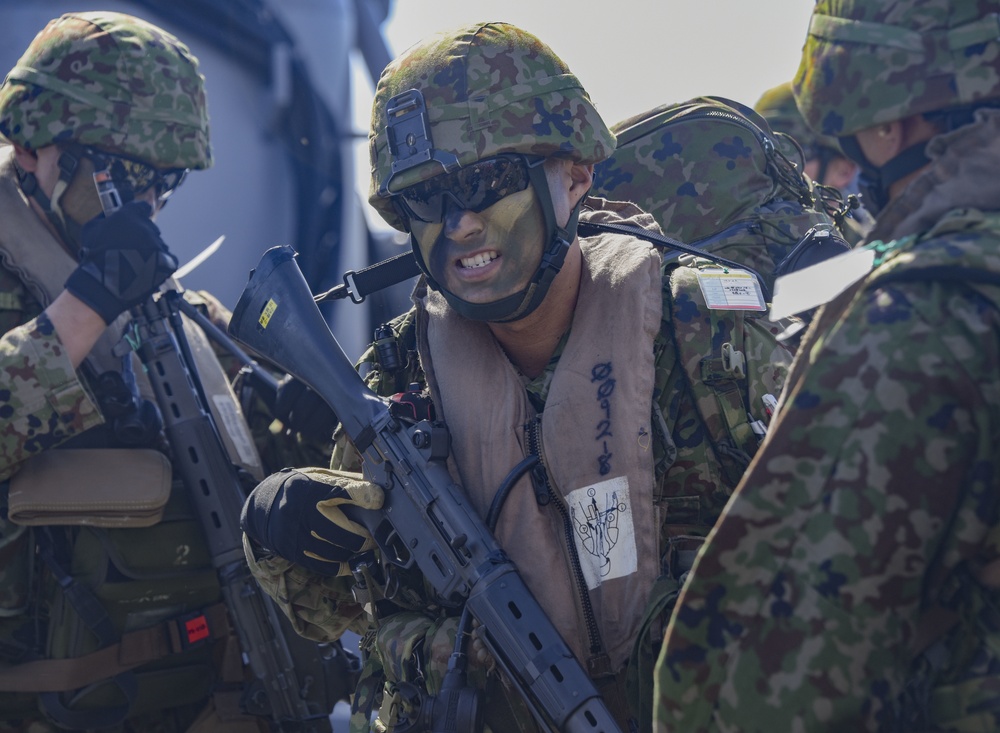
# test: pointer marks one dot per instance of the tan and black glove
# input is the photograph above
(297, 514)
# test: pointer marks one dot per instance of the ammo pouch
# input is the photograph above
(132, 603)
(108, 487)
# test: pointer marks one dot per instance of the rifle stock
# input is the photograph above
(296, 682)
(426, 519)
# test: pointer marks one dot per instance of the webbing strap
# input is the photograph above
(361, 283)
(717, 387)
(135, 649)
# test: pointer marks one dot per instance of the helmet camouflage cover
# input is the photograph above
(709, 172)
(867, 62)
(488, 88)
(778, 107)
(111, 81)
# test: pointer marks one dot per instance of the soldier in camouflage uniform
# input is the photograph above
(821, 158)
(482, 148)
(853, 581)
(96, 89)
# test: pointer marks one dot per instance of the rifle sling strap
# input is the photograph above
(135, 649)
(361, 283)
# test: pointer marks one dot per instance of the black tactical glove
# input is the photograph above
(303, 411)
(296, 514)
(123, 261)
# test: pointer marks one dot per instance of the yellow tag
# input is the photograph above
(269, 310)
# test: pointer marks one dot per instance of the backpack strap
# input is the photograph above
(134, 649)
(117, 655)
(664, 242)
(714, 369)
(54, 550)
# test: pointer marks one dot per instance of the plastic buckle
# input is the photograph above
(193, 630)
(352, 288)
(733, 361)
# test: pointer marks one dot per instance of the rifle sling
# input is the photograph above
(361, 283)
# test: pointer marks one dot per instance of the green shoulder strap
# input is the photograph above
(713, 356)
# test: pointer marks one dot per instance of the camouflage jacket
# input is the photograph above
(852, 582)
(693, 459)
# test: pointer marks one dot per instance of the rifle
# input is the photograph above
(426, 518)
(296, 682)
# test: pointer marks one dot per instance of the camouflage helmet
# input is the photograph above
(778, 107)
(488, 88)
(711, 173)
(868, 62)
(113, 82)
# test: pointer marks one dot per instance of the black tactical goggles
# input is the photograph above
(133, 177)
(473, 188)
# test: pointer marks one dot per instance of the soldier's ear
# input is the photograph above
(582, 178)
(881, 143)
(840, 172)
(27, 159)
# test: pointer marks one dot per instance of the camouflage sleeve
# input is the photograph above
(877, 480)
(320, 607)
(42, 401)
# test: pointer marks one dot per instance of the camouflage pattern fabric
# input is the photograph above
(42, 402)
(777, 106)
(851, 583)
(710, 173)
(489, 88)
(111, 81)
(865, 63)
(691, 491)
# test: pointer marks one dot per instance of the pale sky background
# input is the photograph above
(633, 55)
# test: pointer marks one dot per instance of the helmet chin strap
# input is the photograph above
(517, 306)
(65, 225)
(874, 181)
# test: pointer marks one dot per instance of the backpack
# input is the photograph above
(90, 590)
(713, 175)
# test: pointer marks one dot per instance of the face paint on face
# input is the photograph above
(484, 257)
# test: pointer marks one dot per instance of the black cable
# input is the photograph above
(465, 622)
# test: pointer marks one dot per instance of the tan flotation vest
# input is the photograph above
(595, 443)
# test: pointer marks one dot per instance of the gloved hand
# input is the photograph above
(123, 261)
(303, 411)
(296, 513)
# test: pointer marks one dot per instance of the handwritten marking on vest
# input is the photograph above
(605, 531)
(181, 554)
(601, 374)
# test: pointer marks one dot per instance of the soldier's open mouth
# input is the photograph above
(479, 260)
